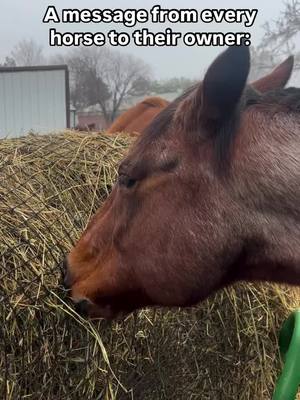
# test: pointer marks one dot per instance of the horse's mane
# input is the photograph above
(164, 118)
(287, 99)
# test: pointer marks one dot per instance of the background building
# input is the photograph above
(34, 99)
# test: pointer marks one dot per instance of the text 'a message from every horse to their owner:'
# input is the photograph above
(144, 37)
(130, 17)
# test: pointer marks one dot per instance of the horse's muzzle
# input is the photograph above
(82, 308)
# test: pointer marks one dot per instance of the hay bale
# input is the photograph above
(224, 349)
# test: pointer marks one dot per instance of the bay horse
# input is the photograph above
(207, 196)
(137, 118)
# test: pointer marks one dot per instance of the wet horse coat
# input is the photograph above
(208, 195)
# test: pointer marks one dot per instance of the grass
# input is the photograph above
(226, 348)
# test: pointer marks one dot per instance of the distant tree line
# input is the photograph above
(171, 85)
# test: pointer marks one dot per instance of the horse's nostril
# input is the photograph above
(82, 307)
(66, 279)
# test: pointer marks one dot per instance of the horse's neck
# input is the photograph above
(275, 256)
(269, 186)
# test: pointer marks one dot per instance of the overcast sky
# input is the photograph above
(22, 19)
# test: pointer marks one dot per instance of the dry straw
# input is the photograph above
(224, 349)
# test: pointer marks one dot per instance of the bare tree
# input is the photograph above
(87, 86)
(8, 62)
(262, 60)
(277, 42)
(280, 36)
(121, 72)
(105, 77)
(58, 59)
(28, 53)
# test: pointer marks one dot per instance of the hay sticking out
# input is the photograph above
(224, 349)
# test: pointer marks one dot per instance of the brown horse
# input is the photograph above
(208, 195)
(138, 117)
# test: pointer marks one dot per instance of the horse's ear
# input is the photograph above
(224, 83)
(277, 79)
(217, 96)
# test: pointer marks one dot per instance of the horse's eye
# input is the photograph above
(125, 180)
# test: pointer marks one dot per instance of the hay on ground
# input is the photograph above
(226, 348)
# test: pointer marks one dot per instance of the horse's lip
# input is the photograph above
(90, 310)
(82, 307)
(106, 313)
(96, 312)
